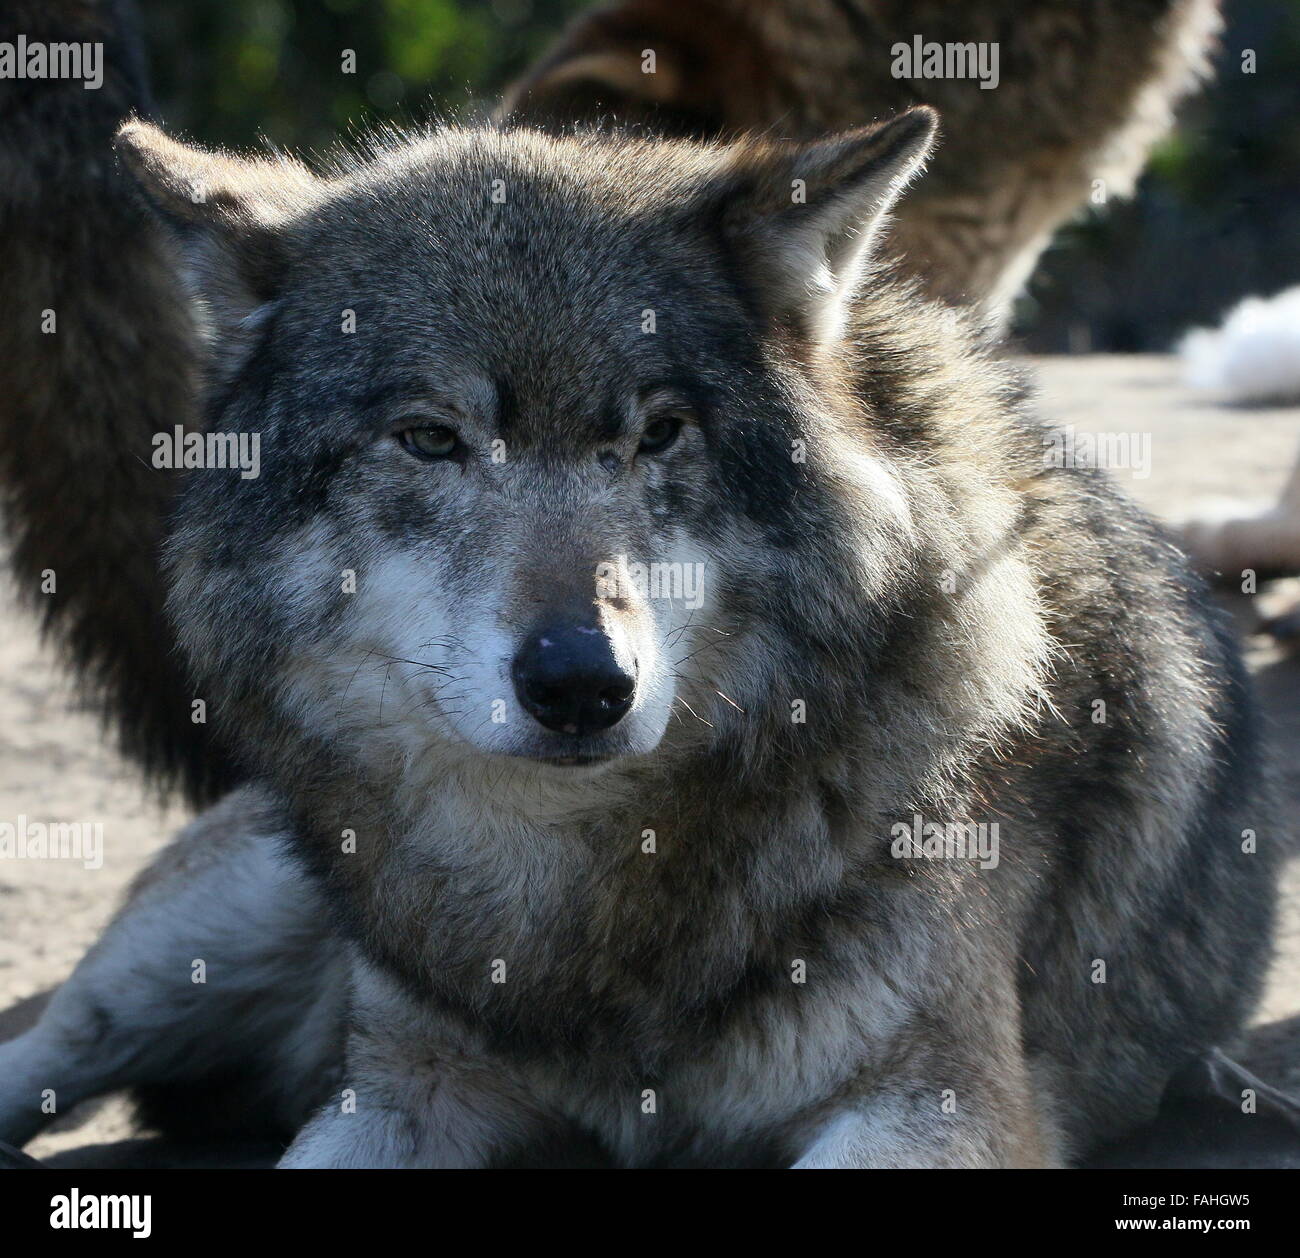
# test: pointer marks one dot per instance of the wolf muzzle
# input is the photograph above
(568, 676)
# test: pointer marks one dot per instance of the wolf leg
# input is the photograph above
(217, 967)
(416, 1094)
(888, 1134)
(904, 1124)
(1076, 110)
(1268, 543)
(943, 1104)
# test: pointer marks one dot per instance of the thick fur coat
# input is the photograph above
(691, 935)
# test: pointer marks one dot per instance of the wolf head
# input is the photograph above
(555, 463)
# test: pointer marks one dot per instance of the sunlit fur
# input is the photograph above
(1084, 91)
(701, 950)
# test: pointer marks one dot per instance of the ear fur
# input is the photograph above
(239, 209)
(806, 214)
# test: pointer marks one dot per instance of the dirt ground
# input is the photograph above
(55, 766)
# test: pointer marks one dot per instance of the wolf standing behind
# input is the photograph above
(1046, 105)
(98, 352)
(566, 858)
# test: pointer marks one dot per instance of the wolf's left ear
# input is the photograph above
(805, 215)
(242, 208)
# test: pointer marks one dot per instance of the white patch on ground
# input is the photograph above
(1254, 356)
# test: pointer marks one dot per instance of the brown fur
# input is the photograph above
(1086, 89)
(79, 406)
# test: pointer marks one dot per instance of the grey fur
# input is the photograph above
(1084, 90)
(888, 554)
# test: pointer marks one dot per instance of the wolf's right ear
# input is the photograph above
(805, 215)
(241, 208)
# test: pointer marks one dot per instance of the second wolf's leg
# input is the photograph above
(1073, 113)
(219, 967)
(1269, 542)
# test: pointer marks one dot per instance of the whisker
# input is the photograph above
(693, 712)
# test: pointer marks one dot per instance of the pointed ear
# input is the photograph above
(805, 215)
(240, 209)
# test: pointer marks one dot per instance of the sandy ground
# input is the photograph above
(54, 765)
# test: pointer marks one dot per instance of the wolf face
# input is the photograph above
(535, 418)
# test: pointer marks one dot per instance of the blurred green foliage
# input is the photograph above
(229, 71)
(1216, 218)
(1217, 215)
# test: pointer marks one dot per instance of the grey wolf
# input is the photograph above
(1083, 91)
(533, 857)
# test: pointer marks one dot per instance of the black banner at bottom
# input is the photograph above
(344, 1206)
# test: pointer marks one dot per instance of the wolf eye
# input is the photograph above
(430, 441)
(660, 432)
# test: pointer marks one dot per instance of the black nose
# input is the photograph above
(567, 676)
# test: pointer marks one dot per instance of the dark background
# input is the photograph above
(1217, 216)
